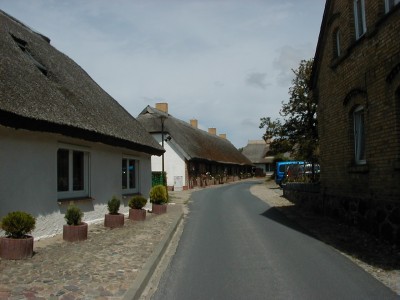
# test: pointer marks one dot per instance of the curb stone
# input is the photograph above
(135, 291)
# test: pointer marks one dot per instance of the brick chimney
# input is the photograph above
(194, 123)
(162, 106)
(222, 135)
(212, 131)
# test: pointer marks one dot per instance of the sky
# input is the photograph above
(226, 63)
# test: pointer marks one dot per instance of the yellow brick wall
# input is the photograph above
(364, 64)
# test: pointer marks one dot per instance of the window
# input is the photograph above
(389, 4)
(337, 43)
(72, 173)
(129, 175)
(359, 135)
(359, 18)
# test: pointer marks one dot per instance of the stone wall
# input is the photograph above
(305, 195)
(380, 218)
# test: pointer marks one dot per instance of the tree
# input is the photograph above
(297, 133)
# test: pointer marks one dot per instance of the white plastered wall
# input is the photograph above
(28, 178)
(174, 162)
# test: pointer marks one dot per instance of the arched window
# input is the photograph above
(389, 4)
(336, 43)
(359, 18)
(359, 135)
(398, 116)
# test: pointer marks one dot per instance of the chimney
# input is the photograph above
(222, 135)
(194, 123)
(162, 106)
(212, 131)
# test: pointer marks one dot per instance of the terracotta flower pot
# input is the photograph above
(75, 233)
(159, 208)
(16, 248)
(137, 214)
(114, 221)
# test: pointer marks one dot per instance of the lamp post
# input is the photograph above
(162, 118)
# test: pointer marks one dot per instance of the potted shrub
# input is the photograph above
(114, 219)
(17, 244)
(75, 230)
(136, 211)
(159, 199)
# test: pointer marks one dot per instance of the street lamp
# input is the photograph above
(162, 118)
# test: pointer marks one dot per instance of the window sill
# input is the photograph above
(387, 15)
(73, 200)
(345, 53)
(129, 195)
(358, 168)
(338, 60)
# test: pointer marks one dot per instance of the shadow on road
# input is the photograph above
(276, 215)
(346, 239)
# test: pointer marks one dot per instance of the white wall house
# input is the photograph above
(174, 163)
(63, 140)
(29, 179)
(190, 153)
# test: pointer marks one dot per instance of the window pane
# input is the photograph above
(359, 17)
(359, 135)
(391, 3)
(338, 43)
(132, 179)
(78, 168)
(62, 170)
(124, 174)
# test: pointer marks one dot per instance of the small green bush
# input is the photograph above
(17, 224)
(137, 202)
(74, 215)
(113, 205)
(158, 194)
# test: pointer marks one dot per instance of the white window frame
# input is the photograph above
(389, 4)
(136, 188)
(70, 194)
(357, 18)
(359, 135)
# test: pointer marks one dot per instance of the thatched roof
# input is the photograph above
(42, 89)
(193, 143)
(256, 152)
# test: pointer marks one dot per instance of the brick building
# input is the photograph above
(356, 79)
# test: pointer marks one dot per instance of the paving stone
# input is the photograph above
(110, 259)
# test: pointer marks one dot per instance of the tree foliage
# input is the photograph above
(297, 132)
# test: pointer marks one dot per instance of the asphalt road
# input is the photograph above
(234, 246)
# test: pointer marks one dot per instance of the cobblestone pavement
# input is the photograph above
(102, 267)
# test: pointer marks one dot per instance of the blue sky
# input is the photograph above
(225, 63)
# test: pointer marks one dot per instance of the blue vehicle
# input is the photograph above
(281, 168)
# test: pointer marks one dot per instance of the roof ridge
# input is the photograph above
(26, 26)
